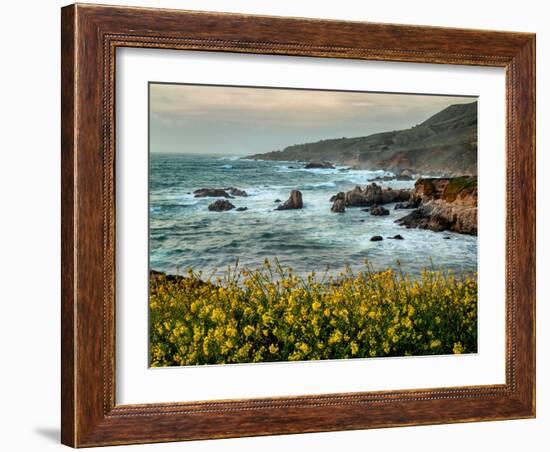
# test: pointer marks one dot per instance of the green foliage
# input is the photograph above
(463, 184)
(271, 314)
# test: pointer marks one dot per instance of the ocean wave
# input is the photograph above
(231, 158)
(173, 206)
(287, 169)
(318, 185)
(313, 237)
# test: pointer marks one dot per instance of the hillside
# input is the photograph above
(444, 144)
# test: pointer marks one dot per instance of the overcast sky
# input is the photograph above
(242, 121)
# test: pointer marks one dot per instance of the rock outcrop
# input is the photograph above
(444, 204)
(319, 165)
(379, 211)
(220, 205)
(376, 238)
(339, 206)
(211, 193)
(412, 203)
(293, 202)
(235, 191)
(219, 192)
(372, 194)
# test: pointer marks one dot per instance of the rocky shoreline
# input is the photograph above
(445, 204)
(371, 195)
(438, 204)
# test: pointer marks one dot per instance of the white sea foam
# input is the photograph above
(185, 233)
(230, 158)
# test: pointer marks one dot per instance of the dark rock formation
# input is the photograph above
(339, 206)
(374, 194)
(235, 191)
(219, 192)
(412, 203)
(397, 237)
(220, 205)
(277, 200)
(445, 204)
(379, 211)
(211, 192)
(376, 238)
(340, 195)
(317, 165)
(241, 209)
(293, 202)
(424, 218)
(402, 177)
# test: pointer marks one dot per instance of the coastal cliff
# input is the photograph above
(444, 145)
(445, 204)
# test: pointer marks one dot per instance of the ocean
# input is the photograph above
(183, 233)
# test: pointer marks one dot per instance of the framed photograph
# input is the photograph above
(281, 225)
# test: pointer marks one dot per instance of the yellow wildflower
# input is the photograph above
(457, 348)
(248, 330)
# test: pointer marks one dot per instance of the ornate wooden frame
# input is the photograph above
(90, 35)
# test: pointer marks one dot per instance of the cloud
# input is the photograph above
(188, 114)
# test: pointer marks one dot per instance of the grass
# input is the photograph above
(457, 185)
(271, 314)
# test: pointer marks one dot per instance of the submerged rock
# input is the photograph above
(319, 165)
(211, 192)
(219, 192)
(241, 209)
(397, 237)
(376, 238)
(236, 192)
(220, 205)
(379, 211)
(293, 202)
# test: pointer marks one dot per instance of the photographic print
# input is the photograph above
(297, 224)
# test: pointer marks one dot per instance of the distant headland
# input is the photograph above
(443, 145)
